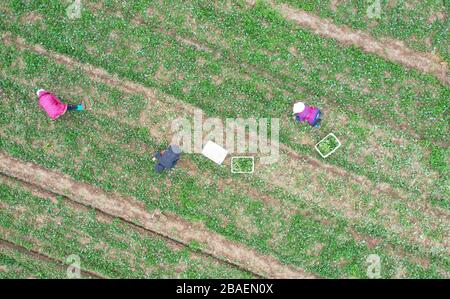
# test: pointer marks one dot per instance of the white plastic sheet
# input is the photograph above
(214, 152)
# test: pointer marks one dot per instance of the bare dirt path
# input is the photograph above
(54, 197)
(389, 49)
(39, 256)
(134, 211)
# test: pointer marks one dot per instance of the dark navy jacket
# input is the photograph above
(168, 159)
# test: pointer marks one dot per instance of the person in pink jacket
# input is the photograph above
(305, 113)
(53, 106)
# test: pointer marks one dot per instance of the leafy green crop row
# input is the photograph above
(17, 265)
(111, 248)
(265, 64)
(105, 151)
(422, 25)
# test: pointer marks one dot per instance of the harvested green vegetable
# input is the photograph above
(328, 145)
(242, 165)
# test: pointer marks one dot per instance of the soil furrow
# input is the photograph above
(42, 193)
(392, 50)
(168, 225)
(39, 256)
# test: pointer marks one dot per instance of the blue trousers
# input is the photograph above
(159, 168)
(317, 119)
(74, 107)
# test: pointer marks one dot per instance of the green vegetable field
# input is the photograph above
(85, 184)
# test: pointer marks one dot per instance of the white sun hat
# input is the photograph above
(298, 107)
(39, 91)
(175, 149)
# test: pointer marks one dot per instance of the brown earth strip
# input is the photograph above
(168, 225)
(42, 193)
(194, 44)
(39, 256)
(33, 189)
(389, 49)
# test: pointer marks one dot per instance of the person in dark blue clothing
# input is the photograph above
(168, 158)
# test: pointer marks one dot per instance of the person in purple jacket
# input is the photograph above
(305, 113)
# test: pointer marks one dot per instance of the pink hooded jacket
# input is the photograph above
(309, 115)
(51, 104)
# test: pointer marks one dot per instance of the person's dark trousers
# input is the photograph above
(167, 160)
(74, 107)
(159, 168)
(318, 119)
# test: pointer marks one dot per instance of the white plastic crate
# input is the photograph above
(320, 153)
(243, 157)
